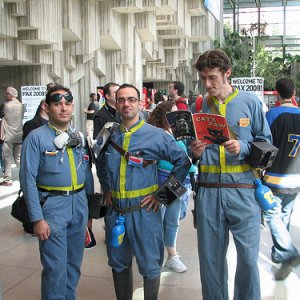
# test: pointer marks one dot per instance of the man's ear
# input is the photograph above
(228, 73)
(46, 107)
(140, 106)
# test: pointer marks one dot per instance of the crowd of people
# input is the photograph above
(142, 156)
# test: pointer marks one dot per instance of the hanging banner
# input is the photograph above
(145, 97)
(31, 97)
(250, 84)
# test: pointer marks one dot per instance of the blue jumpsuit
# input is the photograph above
(129, 185)
(220, 210)
(43, 167)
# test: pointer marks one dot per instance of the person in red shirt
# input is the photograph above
(199, 100)
(176, 91)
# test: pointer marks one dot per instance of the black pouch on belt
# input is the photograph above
(97, 207)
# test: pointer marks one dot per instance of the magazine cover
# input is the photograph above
(181, 123)
(209, 128)
(87, 237)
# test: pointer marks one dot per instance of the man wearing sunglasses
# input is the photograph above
(55, 177)
(132, 182)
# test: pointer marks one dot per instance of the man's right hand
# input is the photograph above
(107, 198)
(41, 229)
(197, 148)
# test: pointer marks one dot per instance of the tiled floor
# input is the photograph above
(20, 266)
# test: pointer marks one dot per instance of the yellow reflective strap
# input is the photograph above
(225, 169)
(226, 101)
(134, 193)
(72, 167)
(135, 128)
(61, 188)
(125, 146)
(74, 186)
(123, 164)
(222, 158)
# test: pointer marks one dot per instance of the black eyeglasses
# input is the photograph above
(131, 100)
(58, 97)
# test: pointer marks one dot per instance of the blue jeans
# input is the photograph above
(278, 220)
(172, 214)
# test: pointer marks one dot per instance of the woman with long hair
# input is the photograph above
(173, 213)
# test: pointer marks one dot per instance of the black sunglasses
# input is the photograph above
(58, 97)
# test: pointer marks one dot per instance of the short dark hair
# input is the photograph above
(50, 85)
(285, 88)
(92, 95)
(127, 85)
(55, 88)
(107, 87)
(179, 86)
(211, 59)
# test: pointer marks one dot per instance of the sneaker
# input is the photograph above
(175, 264)
(6, 183)
(284, 271)
(92, 243)
(287, 268)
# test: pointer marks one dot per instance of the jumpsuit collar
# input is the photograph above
(57, 131)
(134, 127)
(228, 99)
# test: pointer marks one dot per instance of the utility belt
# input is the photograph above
(132, 158)
(58, 192)
(227, 185)
(126, 210)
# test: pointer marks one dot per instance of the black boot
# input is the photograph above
(123, 283)
(151, 288)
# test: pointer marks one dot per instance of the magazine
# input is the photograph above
(88, 238)
(209, 128)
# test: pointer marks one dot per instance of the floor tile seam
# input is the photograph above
(96, 276)
(20, 282)
(20, 266)
(14, 246)
(3, 196)
(135, 280)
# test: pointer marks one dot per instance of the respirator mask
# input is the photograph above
(69, 139)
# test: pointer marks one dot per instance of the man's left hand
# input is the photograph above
(232, 146)
(151, 201)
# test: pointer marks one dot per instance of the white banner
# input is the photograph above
(31, 97)
(250, 84)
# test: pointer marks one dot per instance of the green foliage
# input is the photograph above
(240, 51)
(247, 61)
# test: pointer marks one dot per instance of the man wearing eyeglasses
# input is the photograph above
(131, 167)
(55, 177)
